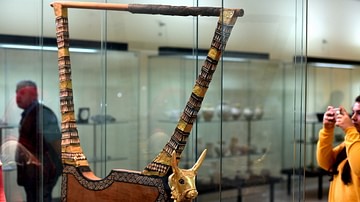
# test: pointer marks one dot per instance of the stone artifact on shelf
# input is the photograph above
(234, 146)
(207, 112)
(100, 118)
(84, 115)
(155, 182)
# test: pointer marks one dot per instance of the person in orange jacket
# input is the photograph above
(342, 160)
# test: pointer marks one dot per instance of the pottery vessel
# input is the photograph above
(236, 112)
(223, 111)
(258, 112)
(207, 112)
(248, 113)
(221, 149)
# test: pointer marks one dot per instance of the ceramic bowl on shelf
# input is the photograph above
(207, 112)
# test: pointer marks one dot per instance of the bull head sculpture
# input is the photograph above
(182, 181)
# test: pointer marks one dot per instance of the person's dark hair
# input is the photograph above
(346, 174)
(357, 99)
(25, 83)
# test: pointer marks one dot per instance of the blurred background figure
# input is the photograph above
(39, 145)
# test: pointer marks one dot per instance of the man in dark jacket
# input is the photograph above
(39, 145)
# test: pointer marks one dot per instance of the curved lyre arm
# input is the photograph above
(71, 151)
(161, 164)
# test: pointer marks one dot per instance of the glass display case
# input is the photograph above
(236, 122)
(113, 110)
(257, 121)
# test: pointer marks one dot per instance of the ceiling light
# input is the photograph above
(232, 56)
(49, 44)
(326, 62)
(46, 48)
(332, 65)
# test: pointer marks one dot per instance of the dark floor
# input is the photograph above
(261, 193)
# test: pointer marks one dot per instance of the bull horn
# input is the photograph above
(199, 161)
(174, 163)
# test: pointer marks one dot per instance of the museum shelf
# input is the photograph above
(5, 126)
(248, 149)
